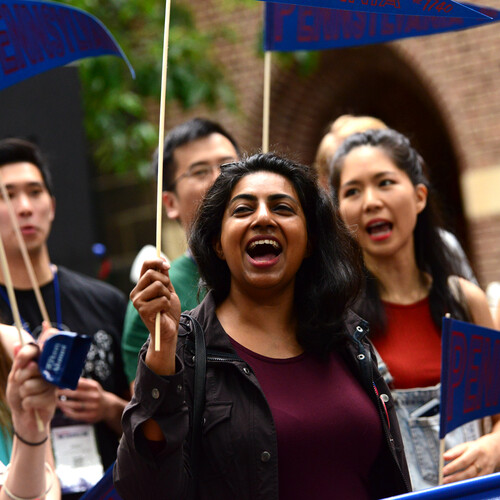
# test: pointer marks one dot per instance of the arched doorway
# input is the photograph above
(373, 80)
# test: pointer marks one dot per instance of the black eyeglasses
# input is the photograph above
(199, 173)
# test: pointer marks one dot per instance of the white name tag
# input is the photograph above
(78, 464)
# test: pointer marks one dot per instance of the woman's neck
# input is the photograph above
(264, 324)
(399, 280)
(19, 274)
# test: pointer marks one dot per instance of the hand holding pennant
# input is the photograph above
(470, 377)
(470, 381)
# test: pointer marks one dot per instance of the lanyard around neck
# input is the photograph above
(57, 301)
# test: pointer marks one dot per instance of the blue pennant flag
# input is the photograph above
(104, 489)
(470, 381)
(435, 8)
(38, 36)
(295, 27)
(477, 488)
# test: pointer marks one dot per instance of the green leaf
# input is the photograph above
(119, 111)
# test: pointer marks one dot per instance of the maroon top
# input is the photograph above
(329, 432)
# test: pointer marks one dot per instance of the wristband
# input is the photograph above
(43, 495)
(29, 443)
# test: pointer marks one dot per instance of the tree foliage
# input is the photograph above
(118, 109)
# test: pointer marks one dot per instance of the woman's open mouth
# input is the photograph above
(264, 252)
(379, 230)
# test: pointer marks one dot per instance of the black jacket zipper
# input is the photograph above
(364, 358)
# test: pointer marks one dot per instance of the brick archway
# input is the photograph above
(377, 81)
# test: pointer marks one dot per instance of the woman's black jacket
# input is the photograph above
(238, 456)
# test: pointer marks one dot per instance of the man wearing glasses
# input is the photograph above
(193, 153)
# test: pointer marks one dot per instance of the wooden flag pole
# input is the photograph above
(161, 139)
(24, 253)
(441, 460)
(15, 310)
(267, 101)
(441, 446)
(10, 292)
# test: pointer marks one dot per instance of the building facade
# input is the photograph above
(440, 90)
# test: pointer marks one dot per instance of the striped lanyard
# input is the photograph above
(57, 302)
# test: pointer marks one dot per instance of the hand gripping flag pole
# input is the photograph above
(470, 386)
(161, 136)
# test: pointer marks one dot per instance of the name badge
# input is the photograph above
(78, 464)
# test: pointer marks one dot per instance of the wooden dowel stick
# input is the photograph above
(159, 204)
(266, 101)
(15, 310)
(441, 460)
(24, 253)
(10, 292)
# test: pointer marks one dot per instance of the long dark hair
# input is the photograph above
(431, 254)
(328, 280)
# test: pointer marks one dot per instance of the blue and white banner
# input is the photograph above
(435, 8)
(104, 489)
(38, 36)
(63, 357)
(296, 27)
(470, 374)
(478, 488)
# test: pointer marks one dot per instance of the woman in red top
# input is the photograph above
(383, 196)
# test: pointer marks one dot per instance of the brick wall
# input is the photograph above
(441, 90)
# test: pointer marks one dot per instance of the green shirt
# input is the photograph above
(184, 276)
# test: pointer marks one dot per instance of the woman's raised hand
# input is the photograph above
(155, 294)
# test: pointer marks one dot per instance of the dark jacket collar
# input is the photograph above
(218, 340)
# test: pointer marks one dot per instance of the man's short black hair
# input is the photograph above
(15, 150)
(190, 131)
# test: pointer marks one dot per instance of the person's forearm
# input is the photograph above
(114, 411)
(28, 476)
(162, 362)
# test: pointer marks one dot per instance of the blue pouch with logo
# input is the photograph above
(63, 357)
